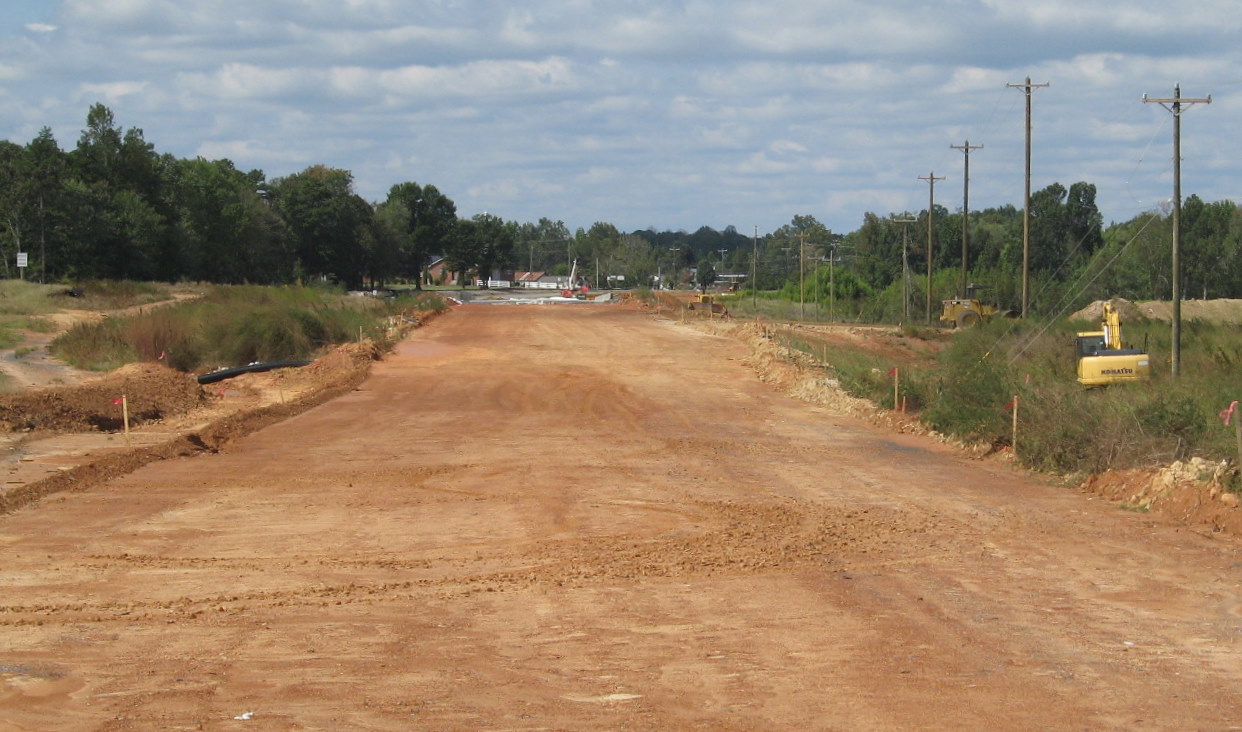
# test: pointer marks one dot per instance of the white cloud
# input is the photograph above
(249, 82)
(697, 111)
(111, 92)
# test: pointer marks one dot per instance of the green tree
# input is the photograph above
(481, 244)
(705, 276)
(229, 233)
(327, 221)
(544, 246)
(14, 215)
(45, 177)
(430, 220)
(1208, 251)
(389, 238)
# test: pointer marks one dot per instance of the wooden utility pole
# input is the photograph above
(1027, 87)
(1175, 105)
(965, 148)
(931, 222)
(754, 270)
(802, 276)
(905, 267)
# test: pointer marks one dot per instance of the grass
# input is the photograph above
(111, 294)
(1063, 427)
(21, 298)
(231, 326)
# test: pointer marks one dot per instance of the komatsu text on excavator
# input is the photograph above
(1103, 358)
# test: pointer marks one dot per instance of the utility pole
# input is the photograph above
(905, 266)
(1175, 105)
(931, 220)
(1027, 87)
(802, 276)
(965, 148)
(832, 284)
(754, 284)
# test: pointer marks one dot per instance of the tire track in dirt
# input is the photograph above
(730, 539)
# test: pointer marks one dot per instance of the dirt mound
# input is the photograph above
(1094, 312)
(154, 392)
(1211, 311)
(1192, 492)
(332, 375)
(151, 391)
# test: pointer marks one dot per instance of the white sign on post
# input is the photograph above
(21, 259)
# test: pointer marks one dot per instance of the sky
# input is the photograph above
(665, 115)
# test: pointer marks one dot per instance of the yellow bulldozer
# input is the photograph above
(1104, 359)
(970, 311)
(711, 303)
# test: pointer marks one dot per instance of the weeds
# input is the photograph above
(234, 326)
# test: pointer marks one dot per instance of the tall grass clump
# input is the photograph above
(114, 294)
(95, 346)
(231, 326)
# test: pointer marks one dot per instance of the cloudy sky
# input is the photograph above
(671, 115)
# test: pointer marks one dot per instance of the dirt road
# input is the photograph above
(591, 518)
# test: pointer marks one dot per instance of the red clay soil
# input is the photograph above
(588, 517)
(152, 392)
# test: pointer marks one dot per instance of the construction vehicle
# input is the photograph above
(970, 311)
(709, 302)
(1103, 358)
(576, 286)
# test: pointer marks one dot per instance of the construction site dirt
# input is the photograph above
(554, 517)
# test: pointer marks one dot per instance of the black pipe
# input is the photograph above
(222, 374)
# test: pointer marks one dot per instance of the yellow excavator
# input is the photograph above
(1103, 358)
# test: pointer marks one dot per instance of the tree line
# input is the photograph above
(112, 207)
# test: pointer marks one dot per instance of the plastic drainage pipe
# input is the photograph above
(222, 374)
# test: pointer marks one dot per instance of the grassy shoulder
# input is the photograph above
(967, 390)
(237, 325)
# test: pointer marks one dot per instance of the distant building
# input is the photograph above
(438, 272)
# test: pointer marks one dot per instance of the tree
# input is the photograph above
(1208, 252)
(1084, 220)
(879, 243)
(430, 220)
(482, 243)
(327, 221)
(45, 176)
(389, 239)
(1049, 229)
(546, 245)
(99, 147)
(229, 233)
(13, 201)
(705, 276)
